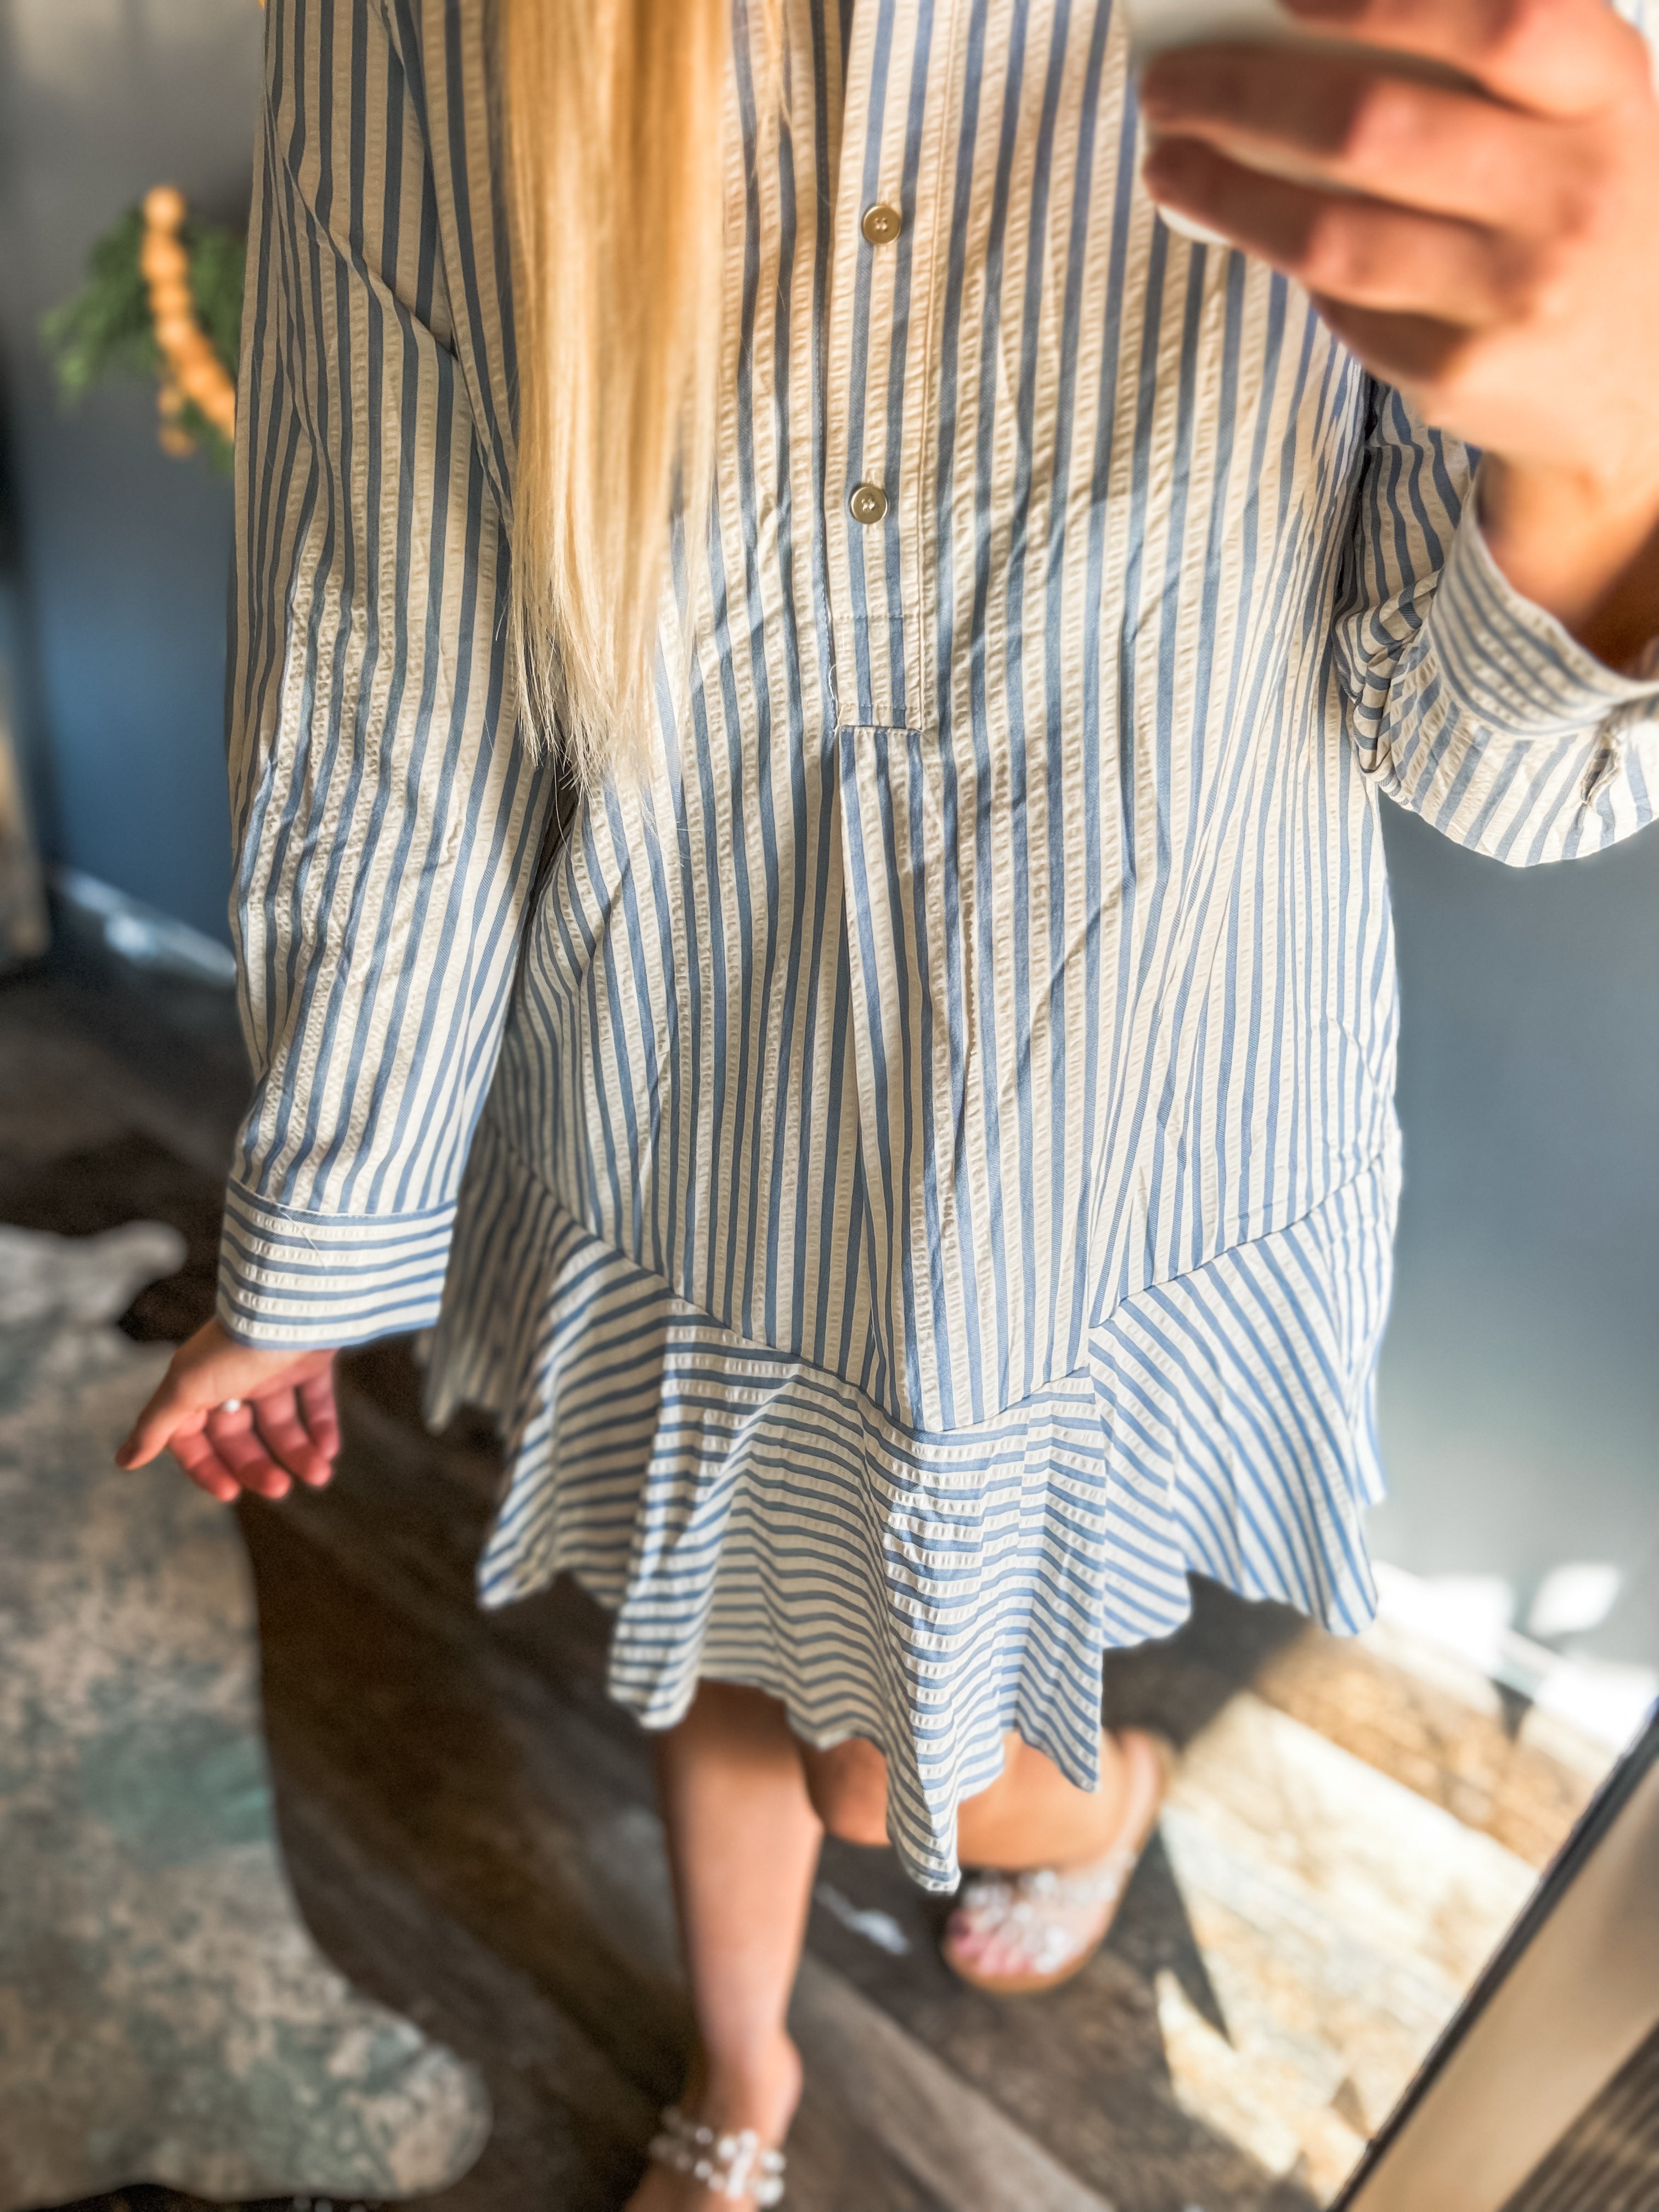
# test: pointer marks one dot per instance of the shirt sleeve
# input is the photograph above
(385, 813)
(1466, 702)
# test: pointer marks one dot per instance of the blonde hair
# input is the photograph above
(614, 115)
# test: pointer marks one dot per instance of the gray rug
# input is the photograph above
(164, 2014)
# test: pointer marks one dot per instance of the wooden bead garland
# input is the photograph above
(194, 372)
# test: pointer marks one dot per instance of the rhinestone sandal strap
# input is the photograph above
(1101, 1883)
(733, 2166)
(1048, 1920)
(1033, 1912)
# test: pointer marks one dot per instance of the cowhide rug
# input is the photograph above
(164, 2014)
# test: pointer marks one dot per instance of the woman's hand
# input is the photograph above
(1488, 243)
(279, 1426)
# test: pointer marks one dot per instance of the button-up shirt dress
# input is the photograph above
(913, 1176)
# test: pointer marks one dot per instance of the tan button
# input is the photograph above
(868, 503)
(882, 224)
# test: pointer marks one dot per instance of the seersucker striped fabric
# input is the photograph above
(916, 1179)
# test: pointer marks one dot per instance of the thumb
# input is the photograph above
(160, 1421)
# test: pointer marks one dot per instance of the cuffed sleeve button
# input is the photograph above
(868, 503)
(882, 224)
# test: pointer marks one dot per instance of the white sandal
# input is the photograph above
(1054, 1921)
(736, 2166)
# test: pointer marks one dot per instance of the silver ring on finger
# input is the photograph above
(229, 1406)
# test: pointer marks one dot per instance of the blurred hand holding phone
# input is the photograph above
(1468, 192)
(1157, 26)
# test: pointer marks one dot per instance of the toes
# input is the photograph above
(966, 1936)
(1002, 1960)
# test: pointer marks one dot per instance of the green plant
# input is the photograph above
(107, 329)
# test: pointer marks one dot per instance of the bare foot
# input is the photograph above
(762, 2096)
(1018, 1933)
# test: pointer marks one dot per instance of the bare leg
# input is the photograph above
(1030, 1816)
(743, 1842)
(1003, 1934)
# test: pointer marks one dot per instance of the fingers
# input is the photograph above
(1555, 56)
(316, 1395)
(1351, 125)
(219, 1451)
(289, 1440)
(259, 1447)
(243, 1451)
(1364, 251)
(1420, 356)
(282, 1427)
(194, 1451)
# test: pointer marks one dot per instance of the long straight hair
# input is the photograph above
(613, 114)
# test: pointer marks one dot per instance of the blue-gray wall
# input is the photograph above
(1521, 1376)
(119, 614)
(1521, 1398)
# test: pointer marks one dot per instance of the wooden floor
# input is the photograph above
(468, 1820)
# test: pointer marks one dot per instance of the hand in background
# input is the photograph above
(284, 1429)
(1488, 241)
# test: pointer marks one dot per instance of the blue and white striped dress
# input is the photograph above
(917, 1178)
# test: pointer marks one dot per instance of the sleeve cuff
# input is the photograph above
(1509, 663)
(288, 1278)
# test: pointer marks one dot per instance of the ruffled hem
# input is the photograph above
(749, 1517)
